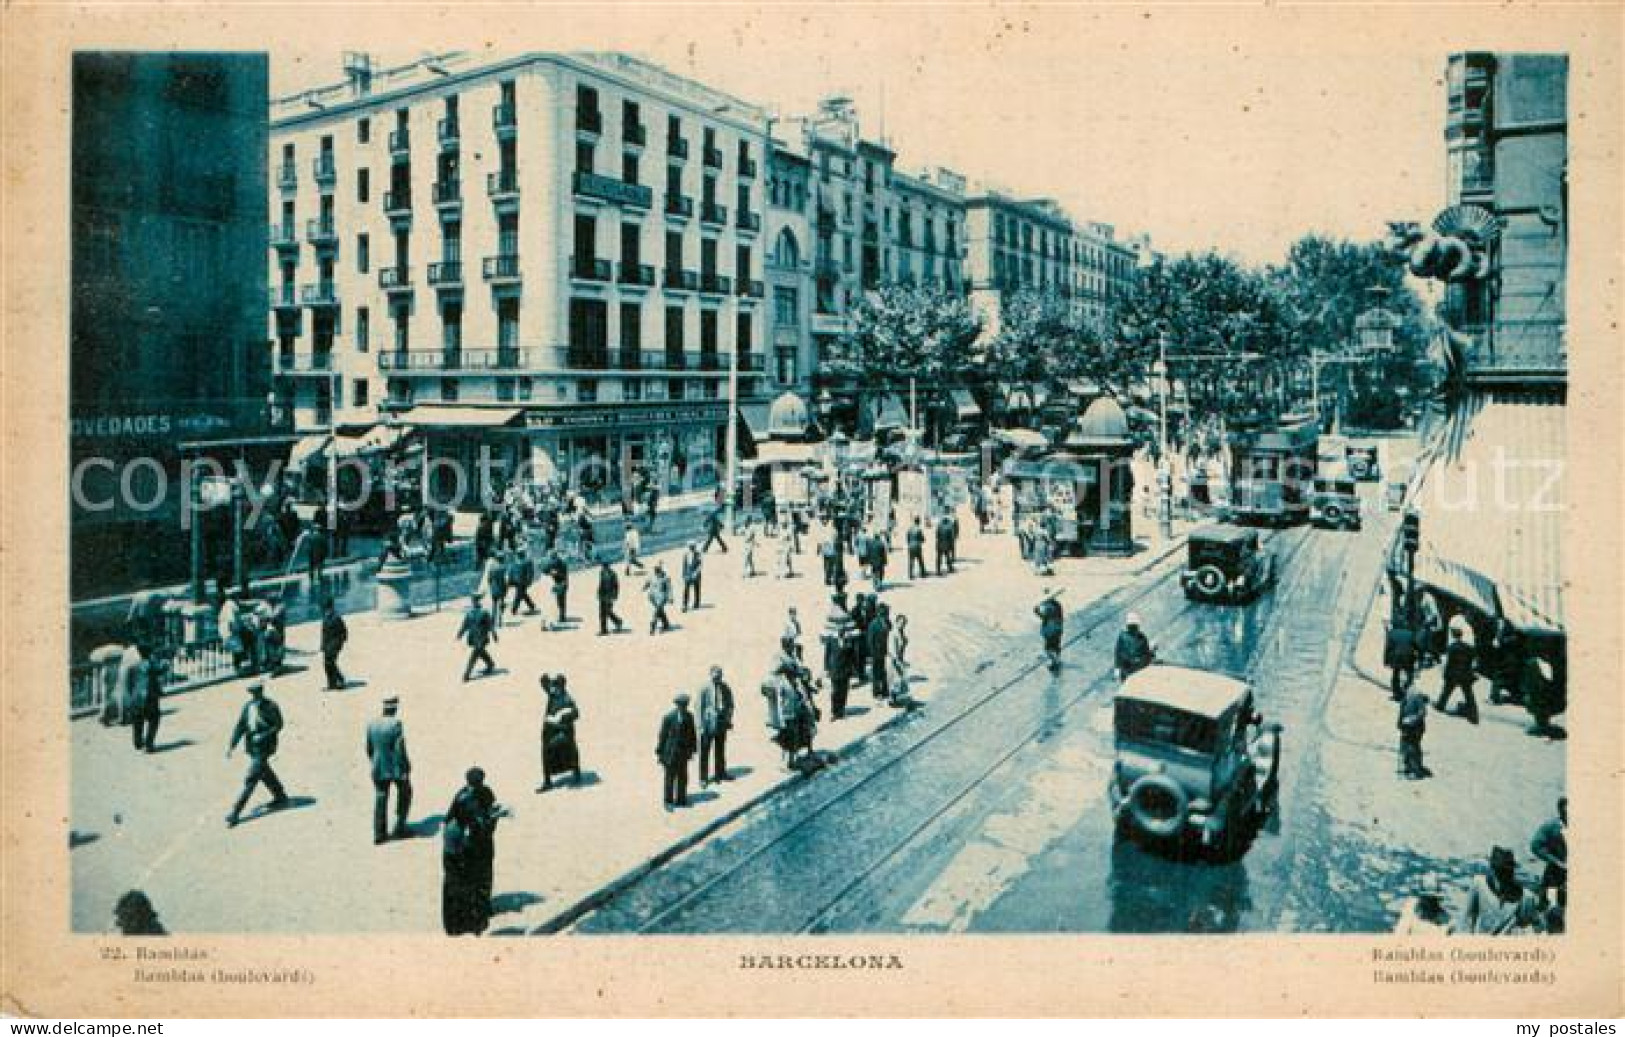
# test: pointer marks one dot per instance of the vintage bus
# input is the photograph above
(1273, 472)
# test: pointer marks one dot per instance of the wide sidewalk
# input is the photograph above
(155, 822)
(1493, 783)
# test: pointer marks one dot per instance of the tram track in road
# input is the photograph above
(745, 893)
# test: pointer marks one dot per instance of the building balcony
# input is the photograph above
(608, 189)
(677, 147)
(505, 120)
(681, 280)
(586, 268)
(635, 133)
(448, 194)
(319, 295)
(747, 169)
(317, 363)
(635, 274)
(395, 279)
(449, 132)
(672, 358)
(589, 120)
(750, 222)
(502, 269)
(713, 158)
(503, 186)
(679, 207)
(287, 176)
(713, 213)
(400, 143)
(715, 284)
(397, 204)
(751, 289)
(827, 269)
(448, 274)
(285, 299)
(711, 360)
(325, 169)
(321, 233)
(441, 361)
(283, 235)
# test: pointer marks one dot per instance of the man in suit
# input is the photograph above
(386, 751)
(609, 588)
(334, 636)
(1460, 670)
(837, 635)
(559, 573)
(879, 650)
(716, 718)
(674, 748)
(146, 699)
(258, 727)
(916, 550)
(478, 632)
(942, 547)
(713, 531)
(693, 570)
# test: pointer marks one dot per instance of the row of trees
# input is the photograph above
(1237, 337)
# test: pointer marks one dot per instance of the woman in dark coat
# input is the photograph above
(468, 851)
(560, 753)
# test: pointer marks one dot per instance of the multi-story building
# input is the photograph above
(167, 317)
(930, 217)
(1506, 147)
(558, 253)
(792, 359)
(1014, 245)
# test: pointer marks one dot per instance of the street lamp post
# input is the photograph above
(1165, 475)
(733, 433)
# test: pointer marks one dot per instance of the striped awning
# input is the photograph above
(1492, 506)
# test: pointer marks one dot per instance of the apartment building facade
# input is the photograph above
(558, 254)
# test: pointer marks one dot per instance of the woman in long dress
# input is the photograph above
(468, 853)
(560, 754)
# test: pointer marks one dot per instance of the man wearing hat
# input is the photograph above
(477, 632)
(716, 719)
(258, 727)
(1498, 904)
(1051, 626)
(1459, 673)
(1134, 651)
(334, 635)
(1413, 723)
(674, 748)
(386, 752)
(1426, 915)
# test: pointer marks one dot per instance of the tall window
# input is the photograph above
(742, 264)
(508, 323)
(359, 394)
(363, 328)
(744, 334)
(363, 130)
(631, 333)
(451, 327)
(586, 239)
(631, 245)
(674, 251)
(629, 167)
(674, 330)
(508, 233)
(708, 331)
(363, 184)
(451, 241)
(589, 327)
(401, 314)
(363, 252)
(674, 181)
(584, 156)
(786, 307)
(708, 257)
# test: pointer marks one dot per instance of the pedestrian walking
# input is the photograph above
(1051, 625)
(693, 571)
(916, 549)
(559, 574)
(1399, 653)
(477, 631)
(259, 726)
(484, 540)
(953, 538)
(560, 752)
(713, 531)
(940, 546)
(877, 561)
(609, 589)
(793, 709)
(632, 547)
(792, 633)
(1540, 693)
(1498, 904)
(335, 634)
(1431, 639)
(1459, 665)
(128, 682)
(493, 585)
(752, 539)
(146, 700)
(716, 719)
(318, 550)
(521, 574)
(658, 590)
(878, 650)
(468, 856)
(236, 625)
(1134, 651)
(829, 552)
(674, 748)
(391, 769)
(838, 635)
(1502, 659)
(798, 529)
(586, 532)
(863, 613)
(1413, 723)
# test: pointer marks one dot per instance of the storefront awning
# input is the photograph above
(755, 417)
(890, 413)
(1057, 468)
(1021, 438)
(462, 417)
(1492, 507)
(965, 405)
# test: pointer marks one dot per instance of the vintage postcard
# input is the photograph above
(811, 510)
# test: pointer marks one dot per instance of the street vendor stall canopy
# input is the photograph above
(462, 417)
(965, 406)
(372, 439)
(1492, 505)
(890, 413)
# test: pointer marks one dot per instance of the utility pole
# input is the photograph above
(733, 433)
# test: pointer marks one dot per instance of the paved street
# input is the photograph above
(996, 819)
(156, 822)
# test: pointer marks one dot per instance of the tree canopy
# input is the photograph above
(903, 331)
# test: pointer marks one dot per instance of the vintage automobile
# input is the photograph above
(1194, 759)
(1226, 563)
(1362, 463)
(1335, 503)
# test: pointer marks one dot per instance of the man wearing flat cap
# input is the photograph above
(258, 727)
(386, 754)
(674, 748)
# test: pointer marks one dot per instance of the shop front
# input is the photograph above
(605, 451)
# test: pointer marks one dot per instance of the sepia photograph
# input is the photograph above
(855, 489)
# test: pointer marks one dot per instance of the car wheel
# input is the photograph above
(1333, 515)
(1157, 804)
(1209, 580)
